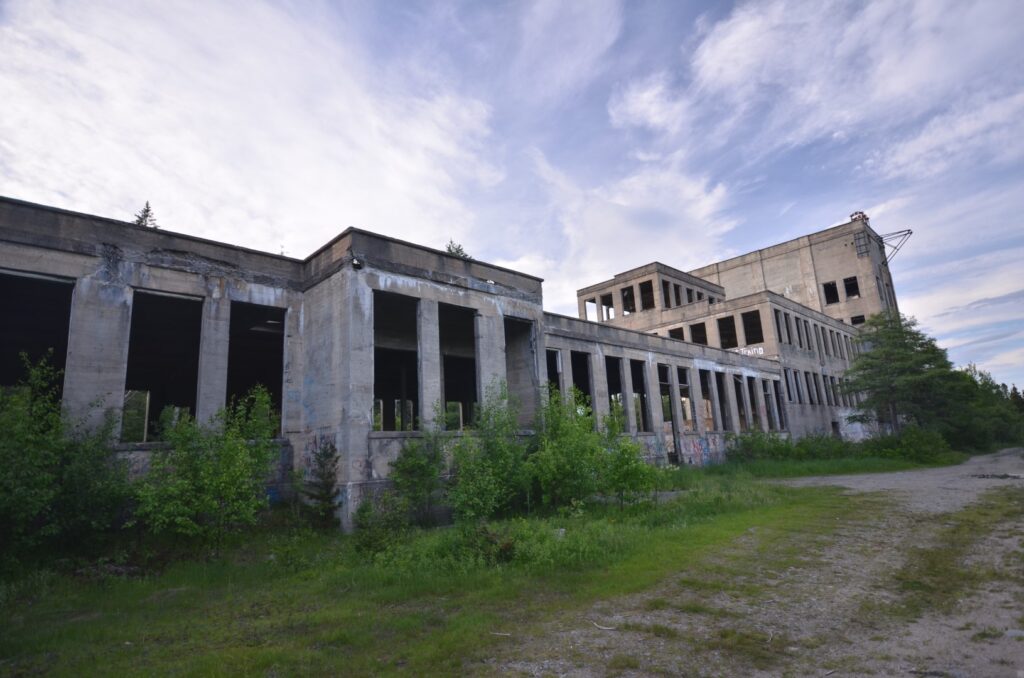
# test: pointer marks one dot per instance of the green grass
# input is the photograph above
(307, 603)
(794, 468)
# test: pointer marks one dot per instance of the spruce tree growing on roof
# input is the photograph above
(145, 217)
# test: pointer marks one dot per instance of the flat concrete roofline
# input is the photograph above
(785, 242)
(128, 224)
(305, 260)
(424, 248)
(653, 266)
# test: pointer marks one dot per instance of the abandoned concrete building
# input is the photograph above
(363, 339)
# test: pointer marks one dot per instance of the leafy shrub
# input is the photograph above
(58, 486)
(912, 443)
(210, 480)
(824, 447)
(381, 520)
(416, 473)
(759, 445)
(489, 475)
(320, 486)
(626, 473)
(569, 462)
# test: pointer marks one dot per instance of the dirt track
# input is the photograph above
(802, 603)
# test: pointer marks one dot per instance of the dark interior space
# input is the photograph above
(256, 351)
(395, 363)
(581, 372)
(637, 370)
(554, 362)
(36, 316)
(520, 367)
(458, 371)
(163, 359)
(723, 402)
(752, 330)
(727, 332)
(699, 334)
(741, 409)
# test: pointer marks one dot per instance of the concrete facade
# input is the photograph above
(369, 339)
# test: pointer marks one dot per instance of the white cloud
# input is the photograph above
(238, 121)
(650, 103)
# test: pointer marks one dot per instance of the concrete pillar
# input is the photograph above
(213, 354)
(294, 359)
(654, 397)
(697, 396)
(490, 352)
(356, 378)
(748, 406)
(731, 400)
(97, 359)
(428, 348)
(762, 406)
(565, 379)
(626, 379)
(677, 405)
(716, 406)
(581, 303)
(599, 386)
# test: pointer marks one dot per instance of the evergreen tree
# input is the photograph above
(145, 217)
(455, 248)
(901, 374)
(1017, 399)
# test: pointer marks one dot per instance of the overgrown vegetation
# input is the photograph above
(210, 479)
(61, 489)
(320, 486)
(903, 378)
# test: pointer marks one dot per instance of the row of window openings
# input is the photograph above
(602, 308)
(829, 342)
(728, 338)
(850, 286)
(164, 335)
(814, 389)
(689, 408)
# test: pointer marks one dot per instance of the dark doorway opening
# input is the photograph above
(458, 372)
(395, 363)
(638, 369)
(554, 362)
(613, 373)
(36, 315)
(163, 361)
(255, 351)
(521, 367)
(581, 373)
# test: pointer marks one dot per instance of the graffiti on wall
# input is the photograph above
(705, 450)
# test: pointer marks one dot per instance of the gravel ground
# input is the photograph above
(797, 606)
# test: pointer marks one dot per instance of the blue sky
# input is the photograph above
(569, 140)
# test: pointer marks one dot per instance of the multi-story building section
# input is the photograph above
(370, 339)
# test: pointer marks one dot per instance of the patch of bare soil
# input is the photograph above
(805, 602)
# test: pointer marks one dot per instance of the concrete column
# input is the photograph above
(565, 378)
(697, 395)
(654, 398)
(762, 406)
(428, 348)
(213, 354)
(748, 406)
(356, 377)
(581, 303)
(677, 405)
(730, 398)
(294, 359)
(490, 352)
(626, 379)
(97, 359)
(599, 386)
(716, 407)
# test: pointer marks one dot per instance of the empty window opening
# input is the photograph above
(852, 288)
(554, 362)
(723, 401)
(789, 334)
(711, 300)
(849, 348)
(689, 295)
(741, 408)
(686, 403)
(857, 320)
(727, 332)
(755, 411)
(641, 408)
(646, 295)
(607, 307)
(700, 295)
(613, 373)
(828, 391)
(799, 388)
(666, 294)
(778, 324)
(256, 351)
(799, 334)
(457, 338)
(628, 301)
(676, 333)
(707, 407)
(37, 315)
(810, 389)
(769, 404)
(780, 408)
(699, 334)
(807, 335)
(163, 361)
(835, 346)
(521, 367)
(670, 427)
(752, 331)
(817, 336)
(817, 389)
(590, 310)
(678, 290)
(579, 362)
(395, 362)
(831, 293)
(789, 384)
